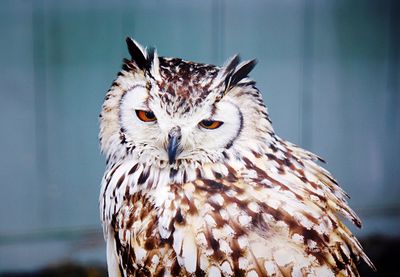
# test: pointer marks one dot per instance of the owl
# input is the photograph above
(197, 183)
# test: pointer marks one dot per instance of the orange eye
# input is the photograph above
(146, 116)
(210, 124)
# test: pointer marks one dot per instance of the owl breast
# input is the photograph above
(221, 221)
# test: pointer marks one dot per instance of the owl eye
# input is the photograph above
(146, 116)
(210, 124)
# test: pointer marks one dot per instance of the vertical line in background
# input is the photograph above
(393, 67)
(392, 116)
(39, 71)
(127, 27)
(218, 32)
(306, 101)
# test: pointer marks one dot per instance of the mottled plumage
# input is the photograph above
(197, 182)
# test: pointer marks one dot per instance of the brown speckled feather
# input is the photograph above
(236, 220)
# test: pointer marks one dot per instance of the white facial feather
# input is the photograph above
(197, 143)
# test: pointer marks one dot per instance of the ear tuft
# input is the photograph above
(233, 71)
(242, 71)
(231, 64)
(138, 53)
(229, 68)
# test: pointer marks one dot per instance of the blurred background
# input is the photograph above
(329, 72)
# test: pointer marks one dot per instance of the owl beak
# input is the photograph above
(174, 139)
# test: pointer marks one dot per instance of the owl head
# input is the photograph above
(172, 112)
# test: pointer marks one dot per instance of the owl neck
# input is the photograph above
(129, 175)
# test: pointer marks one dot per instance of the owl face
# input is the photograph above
(173, 112)
(167, 127)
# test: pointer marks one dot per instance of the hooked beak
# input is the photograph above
(174, 139)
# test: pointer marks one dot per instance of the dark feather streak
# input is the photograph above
(242, 72)
(136, 54)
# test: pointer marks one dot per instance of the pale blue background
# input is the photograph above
(329, 72)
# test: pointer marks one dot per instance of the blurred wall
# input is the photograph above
(329, 72)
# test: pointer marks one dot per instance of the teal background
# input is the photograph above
(329, 72)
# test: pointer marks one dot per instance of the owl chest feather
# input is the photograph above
(220, 220)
